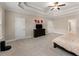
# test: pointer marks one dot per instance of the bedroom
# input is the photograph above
(18, 23)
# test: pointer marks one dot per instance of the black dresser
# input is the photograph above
(39, 31)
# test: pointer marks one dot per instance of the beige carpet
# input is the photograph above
(41, 46)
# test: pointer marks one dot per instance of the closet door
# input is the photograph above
(19, 28)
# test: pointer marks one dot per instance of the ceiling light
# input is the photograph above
(56, 5)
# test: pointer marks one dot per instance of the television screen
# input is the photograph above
(38, 26)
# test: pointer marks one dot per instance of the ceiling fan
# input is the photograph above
(56, 5)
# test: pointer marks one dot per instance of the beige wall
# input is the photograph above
(10, 23)
(61, 23)
(2, 23)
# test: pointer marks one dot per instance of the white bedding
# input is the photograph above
(69, 41)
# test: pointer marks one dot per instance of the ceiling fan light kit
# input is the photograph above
(56, 5)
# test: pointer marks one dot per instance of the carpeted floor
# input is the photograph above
(41, 46)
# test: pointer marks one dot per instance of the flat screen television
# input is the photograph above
(38, 26)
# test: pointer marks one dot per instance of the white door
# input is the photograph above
(50, 27)
(20, 28)
(72, 26)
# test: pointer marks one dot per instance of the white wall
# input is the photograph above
(29, 24)
(57, 25)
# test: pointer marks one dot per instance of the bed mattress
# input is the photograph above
(68, 41)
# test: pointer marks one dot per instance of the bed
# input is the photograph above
(68, 42)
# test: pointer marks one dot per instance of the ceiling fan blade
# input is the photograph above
(50, 6)
(56, 3)
(62, 5)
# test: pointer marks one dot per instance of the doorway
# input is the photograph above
(72, 27)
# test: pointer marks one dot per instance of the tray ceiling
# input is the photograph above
(41, 8)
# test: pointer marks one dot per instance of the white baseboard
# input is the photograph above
(59, 32)
(29, 37)
(11, 40)
(18, 39)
